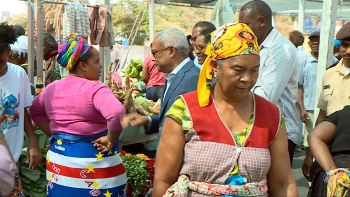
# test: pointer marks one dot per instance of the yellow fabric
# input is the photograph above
(179, 112)
(228, 41)
(338, 182)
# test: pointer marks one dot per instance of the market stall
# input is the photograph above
(128, 89)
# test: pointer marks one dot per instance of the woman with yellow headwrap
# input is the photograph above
(222, 140)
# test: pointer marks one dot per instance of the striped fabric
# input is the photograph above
(78, 169)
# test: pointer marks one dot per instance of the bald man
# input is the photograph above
(278, 73)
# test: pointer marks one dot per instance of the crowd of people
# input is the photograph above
(236, 102)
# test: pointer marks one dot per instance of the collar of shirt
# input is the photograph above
(339, 67)
(171, 75)
(312, 59)
(346, 70)
(195, 61)
(269, 39)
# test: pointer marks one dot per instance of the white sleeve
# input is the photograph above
(276, 73)
(26, 90)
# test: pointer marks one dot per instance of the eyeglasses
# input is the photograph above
(193, 40)
(155, 53)
(199, 47)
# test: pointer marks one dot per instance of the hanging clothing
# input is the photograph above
(101, 26)
(93, 16)
(239, 162)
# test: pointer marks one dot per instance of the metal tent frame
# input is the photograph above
(329, 13)
(104, 51)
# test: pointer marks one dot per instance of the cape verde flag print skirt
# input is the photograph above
(74, 167)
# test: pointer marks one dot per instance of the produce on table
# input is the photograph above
(133, 93)
(134, 69)
(33, 181)
(128, 100)
(140, 87)
(136, 172)
(146, 105)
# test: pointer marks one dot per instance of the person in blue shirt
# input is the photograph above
(336, 49)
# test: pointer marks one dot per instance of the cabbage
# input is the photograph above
(142, 101)
(140, 86)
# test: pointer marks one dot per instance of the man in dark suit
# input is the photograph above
(170, 50)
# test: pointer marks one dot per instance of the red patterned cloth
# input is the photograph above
(181, 187)
(211, 152)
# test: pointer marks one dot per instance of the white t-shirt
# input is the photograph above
(346, 70)
(115, 54)
(15, 96)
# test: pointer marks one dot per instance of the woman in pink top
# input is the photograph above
(83, 117)
(154, 79)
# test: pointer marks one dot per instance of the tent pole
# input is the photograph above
(40, 38)
(329, 17)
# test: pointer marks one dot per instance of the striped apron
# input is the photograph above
(75, 167)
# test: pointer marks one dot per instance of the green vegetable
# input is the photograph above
(33, 181)
(134, 68)
(142, 101)
(140, 86)
(136, 173)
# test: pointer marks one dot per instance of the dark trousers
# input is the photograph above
(291, 148)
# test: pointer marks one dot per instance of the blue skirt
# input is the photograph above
(74, 167)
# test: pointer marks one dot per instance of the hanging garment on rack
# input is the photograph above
(107, 38)
(101, 26)
(101, 38)
(93, 16)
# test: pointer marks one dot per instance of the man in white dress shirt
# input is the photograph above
(278, 73)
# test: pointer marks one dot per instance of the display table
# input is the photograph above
(134, 135)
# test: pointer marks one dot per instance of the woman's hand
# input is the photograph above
(103, 144)
(34, 155)
(306, 167)
(304, 116)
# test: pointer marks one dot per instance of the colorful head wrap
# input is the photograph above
(73, 49)
(230, 40)
(338, 182)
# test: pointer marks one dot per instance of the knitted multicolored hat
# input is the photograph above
(73, 49)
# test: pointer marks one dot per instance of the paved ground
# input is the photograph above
(298, 174)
